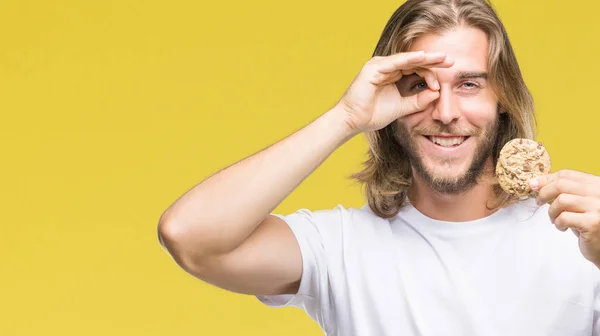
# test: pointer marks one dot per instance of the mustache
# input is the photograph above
(447, 129)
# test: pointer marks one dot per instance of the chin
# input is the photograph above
(447, 169)
(448, 177)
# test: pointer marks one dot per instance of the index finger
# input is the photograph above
(403, 61)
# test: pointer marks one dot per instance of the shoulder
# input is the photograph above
(337, 223)
(337, 215)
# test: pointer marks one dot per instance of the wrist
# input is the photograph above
(341, 122)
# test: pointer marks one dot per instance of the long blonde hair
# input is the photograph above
(387, 173)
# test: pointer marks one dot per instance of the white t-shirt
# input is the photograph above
(512, 273)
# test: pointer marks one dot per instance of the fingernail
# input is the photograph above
(538, 201)
(436, 85)
(534, 184)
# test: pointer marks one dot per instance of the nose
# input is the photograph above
(444, 108)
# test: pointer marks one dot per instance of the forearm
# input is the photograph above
(219, 213)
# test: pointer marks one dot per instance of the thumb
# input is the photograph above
(419, 101)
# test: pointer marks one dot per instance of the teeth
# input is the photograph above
(447, 142)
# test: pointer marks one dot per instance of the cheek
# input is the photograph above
(479, 112)
(412, 120)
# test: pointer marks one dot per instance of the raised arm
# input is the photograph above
(221, 230)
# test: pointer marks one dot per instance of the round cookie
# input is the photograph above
(521, 160)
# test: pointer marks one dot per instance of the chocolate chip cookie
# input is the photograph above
(521, 160)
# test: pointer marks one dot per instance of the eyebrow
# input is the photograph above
(471, 74)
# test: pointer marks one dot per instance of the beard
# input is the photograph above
(449, 185)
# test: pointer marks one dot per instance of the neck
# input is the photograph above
(467, 206)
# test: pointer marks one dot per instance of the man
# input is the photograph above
(440, 249)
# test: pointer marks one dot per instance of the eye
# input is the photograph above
(470, 85)
(419, 86)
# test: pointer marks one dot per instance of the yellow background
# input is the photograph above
(112, 109)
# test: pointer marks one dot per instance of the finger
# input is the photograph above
(565, 174)
(391, 78)
(571, 203)
(391, 63)
(573, 220)
(448, 62)
(386, 67)
(429, 77)
(412, 60)
(550, 191)
(418, 102)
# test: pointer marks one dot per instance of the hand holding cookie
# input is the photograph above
(574, 199)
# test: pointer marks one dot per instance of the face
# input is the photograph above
(450, 142)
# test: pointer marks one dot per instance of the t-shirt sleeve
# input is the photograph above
(318, 234)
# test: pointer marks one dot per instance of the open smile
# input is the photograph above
(446, 143)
